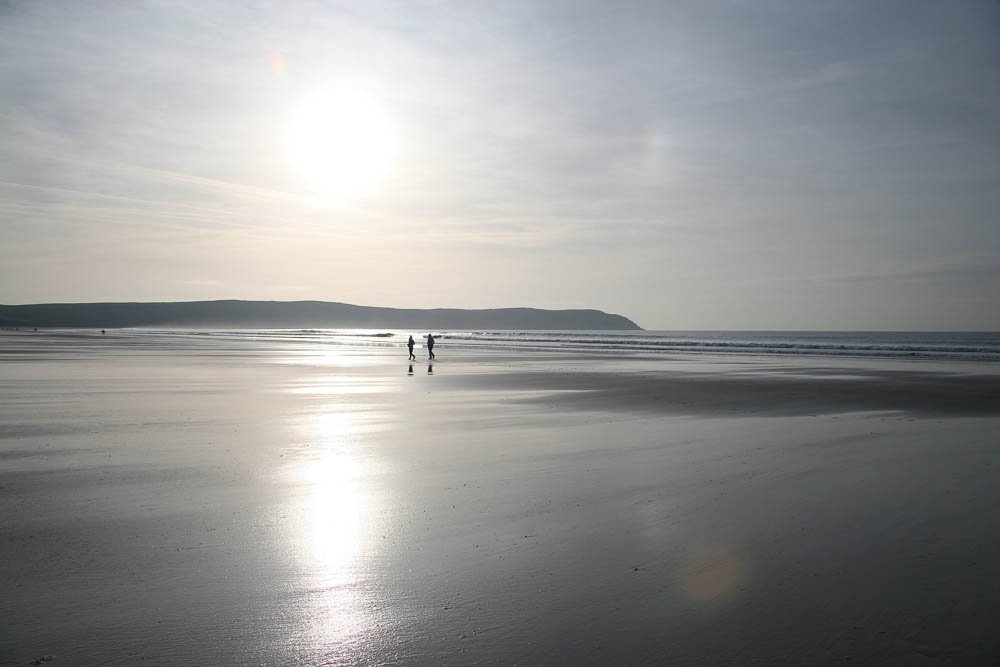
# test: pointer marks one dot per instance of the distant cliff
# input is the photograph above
(300, 314)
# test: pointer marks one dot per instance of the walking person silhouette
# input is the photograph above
(409, 344)
(430, 346)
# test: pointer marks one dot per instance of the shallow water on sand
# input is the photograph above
(280, 503)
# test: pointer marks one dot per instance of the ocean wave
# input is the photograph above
(987, 348)
(957, 346)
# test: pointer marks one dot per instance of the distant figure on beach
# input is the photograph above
(409, 344)
(430, 369)
(430, 346)
(410, 372)
(103, 331)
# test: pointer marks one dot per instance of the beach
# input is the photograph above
(256, 500)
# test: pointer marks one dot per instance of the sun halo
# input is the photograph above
(340, 143)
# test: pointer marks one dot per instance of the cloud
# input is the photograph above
(975, 271)
(627, 148)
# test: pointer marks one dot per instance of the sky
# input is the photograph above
(702, 164)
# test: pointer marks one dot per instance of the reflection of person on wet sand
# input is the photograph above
(409, 344)
(430, 346)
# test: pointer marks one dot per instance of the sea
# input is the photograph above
(925, 345)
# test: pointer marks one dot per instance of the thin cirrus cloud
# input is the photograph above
(689, 164)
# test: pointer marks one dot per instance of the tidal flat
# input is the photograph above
(196, 500)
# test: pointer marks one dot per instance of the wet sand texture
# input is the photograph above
(203, 503)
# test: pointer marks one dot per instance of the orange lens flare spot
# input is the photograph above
(712, 573)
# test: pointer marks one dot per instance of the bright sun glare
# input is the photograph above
(341, 143)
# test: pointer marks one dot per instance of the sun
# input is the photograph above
(341, 143)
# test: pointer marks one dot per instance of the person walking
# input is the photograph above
(409, 344)
(430, 346)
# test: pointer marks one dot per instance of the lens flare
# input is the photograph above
(712, 573)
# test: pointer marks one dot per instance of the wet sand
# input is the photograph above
(241, 502)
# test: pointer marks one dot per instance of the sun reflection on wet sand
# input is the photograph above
(335, 356)
(336, 385)
(334, 525)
